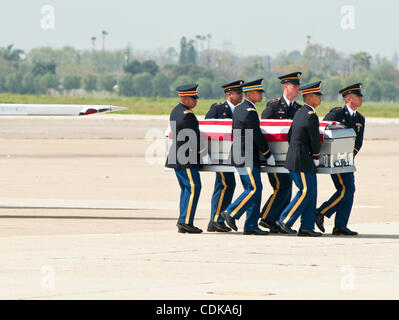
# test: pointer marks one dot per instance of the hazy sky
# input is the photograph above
(250, 26)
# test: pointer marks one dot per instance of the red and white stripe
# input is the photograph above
(273, 130)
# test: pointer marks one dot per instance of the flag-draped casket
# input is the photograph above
(336, 152)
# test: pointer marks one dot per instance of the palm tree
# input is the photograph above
(203, 38)
(11, 55)
(197, 39)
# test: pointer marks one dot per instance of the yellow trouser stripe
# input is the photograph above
(243, 202)
(221, 197)
(190, 203)
(304, 191)
(339, 198)
(273, 197)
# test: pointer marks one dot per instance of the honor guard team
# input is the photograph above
(280, 212)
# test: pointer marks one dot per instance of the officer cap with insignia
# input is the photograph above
(188, 90)
(256, 85)
(311, 88)
(233, 86)
(354, 88)
(291, 78)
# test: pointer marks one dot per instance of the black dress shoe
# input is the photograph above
(187, 228)
(343, 231)
(320, 221)
(217, 227)
(256, 232)
(285, 228)
(308, 233)
(276, 229)
(231, 222)
(272, 226)
(264, 224)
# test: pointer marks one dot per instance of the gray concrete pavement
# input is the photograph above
(90, 217)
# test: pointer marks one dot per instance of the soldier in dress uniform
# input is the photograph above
(302, 159)
(248, 143)
(185, 154)
(225, 182)
(284, 107)
(341, 201)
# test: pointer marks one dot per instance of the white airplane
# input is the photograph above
(54, 109)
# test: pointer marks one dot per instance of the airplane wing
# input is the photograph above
(54, 109)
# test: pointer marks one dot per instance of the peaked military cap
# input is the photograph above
(311, 88)
(291, 78)
(188, 90)
(233, 86)
(256, 85)
(354, 88)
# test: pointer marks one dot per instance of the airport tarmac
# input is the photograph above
(87, 211)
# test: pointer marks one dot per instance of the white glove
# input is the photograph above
(316, 162)
(206, 159)
(271, 161)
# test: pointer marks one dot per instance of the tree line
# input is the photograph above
(131, 73)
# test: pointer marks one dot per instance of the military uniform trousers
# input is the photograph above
(249, 201)
(223, 192)
(281, 197)
(304, 202)
(342, 200)
(190, 185)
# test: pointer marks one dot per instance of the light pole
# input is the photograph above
(308, 37)
(104, 33)
(93, 43)
(209, 36)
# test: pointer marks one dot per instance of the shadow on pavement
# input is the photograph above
(367, 236)
(360, 236)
